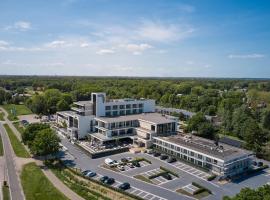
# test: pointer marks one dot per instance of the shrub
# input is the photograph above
(169, 171)
(212, 177)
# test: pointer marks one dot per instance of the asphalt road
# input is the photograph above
(13, 179)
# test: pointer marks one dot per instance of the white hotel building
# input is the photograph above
(106, 121)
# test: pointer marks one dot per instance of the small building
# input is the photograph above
(221, 159)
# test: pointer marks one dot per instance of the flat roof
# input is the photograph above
(89, 102)
(155, 118)
(206, 146)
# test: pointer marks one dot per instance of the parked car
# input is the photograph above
(260, 164)
(85, 172)
(136, 164)
(163, 157)
(150, 151)
(130, 165)
(156, 154)
(103, 178)
(109, 162)
(121, 168)
(167, 176)
(254, 163)
(129, 158)
(124, 160)
(109, 181)
(91, 174)
(171, 160)
(124, 186)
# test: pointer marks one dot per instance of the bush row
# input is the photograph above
(212, 177)
(201, 189)
(169, 171)
(157, 175)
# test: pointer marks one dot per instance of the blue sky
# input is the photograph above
(195, 38)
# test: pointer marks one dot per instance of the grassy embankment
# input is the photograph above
(17, 146)
(36, 185)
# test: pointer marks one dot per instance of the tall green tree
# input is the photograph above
(45, 143)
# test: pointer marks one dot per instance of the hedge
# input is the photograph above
(157, 175)
(212, 177)
(142, 159)
(201, 188)
(169, 171)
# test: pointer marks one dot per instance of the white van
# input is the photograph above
(109, 162)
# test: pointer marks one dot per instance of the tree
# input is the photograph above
(37, 104)
(195, 121)
(62, 105)
(31, 131)
(206, 130)
(261, 193)
(254, 136)
(266, 120)
(45, 143)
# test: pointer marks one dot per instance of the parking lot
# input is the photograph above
(190, 188)
(133, 190)
(142, 163)
(158, 180)
(191, 170)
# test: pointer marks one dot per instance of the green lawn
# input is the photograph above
(36, 185)
(18, 109)
(5, 191)
(18, 126)
(1, 147)
(17, 146)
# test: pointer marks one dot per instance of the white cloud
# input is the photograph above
(19, 25)
(246, 56)
(136, 49)
(160, 32)
(58, 44)
(3, 43)
(190, 62)
(84, 45)
(105, 51)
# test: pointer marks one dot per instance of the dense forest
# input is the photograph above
(242, 106)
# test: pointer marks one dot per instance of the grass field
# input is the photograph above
(19, 110)
(1, 147)
(17, 146)
(18, 126)
(36, 185)
(5, 191)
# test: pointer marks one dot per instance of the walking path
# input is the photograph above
(19, 162)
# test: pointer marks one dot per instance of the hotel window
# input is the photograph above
(134, 106)
(122, 106)
(199, 156)
(128, 106)
(128, 123)
(122, 112)
(172, 146)
(108, 113)
(128, 112)
(108, 108)
(130, 131)
(112, 125)
(114, 133)
(115, 107)
(140, 110)
(215, 161)
(152, 128)
(178, 149)
(185, 151)
(208, 159)
(140, 105)
(115, 113)
(134, 111)
(192, 153)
